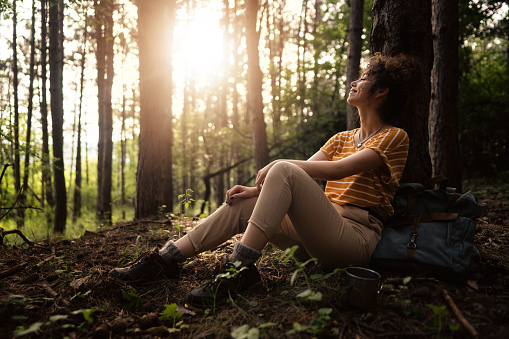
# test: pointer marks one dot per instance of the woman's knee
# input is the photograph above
(286, 168)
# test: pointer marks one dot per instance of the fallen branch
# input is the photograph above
(18, 232)
(12, 271)
(471, 330)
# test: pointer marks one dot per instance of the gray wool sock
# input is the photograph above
(170, 251)
(245, 254)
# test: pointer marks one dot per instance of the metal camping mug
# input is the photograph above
(363, 287)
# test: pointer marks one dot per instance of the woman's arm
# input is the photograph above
(318, 168)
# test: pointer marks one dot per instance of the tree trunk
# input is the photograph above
(104, 35)
(154, 175)
(47, 186)
(77, 181)
(56, 57)
(401, 26)
(443, 119)
(254, 88)
(18, 212)
(354, 56)
(22, 200)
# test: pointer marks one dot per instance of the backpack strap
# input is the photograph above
(428, 217)
(440, 179)
(413, 236)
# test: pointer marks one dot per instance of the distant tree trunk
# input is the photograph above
(354, 56)
(408, 30)
(443, 119)
(56, 57)
(104, 35)
(123, 132)
(47, 186)
(275, 40)
(315, 93)
(154, 175)
(301, 58)
(18, 212)
(123, 139)
(254, 88)
(22, 200)
(77, 181)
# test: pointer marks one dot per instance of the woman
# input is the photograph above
(339, 227)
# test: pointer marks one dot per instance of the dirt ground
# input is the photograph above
(60, 288)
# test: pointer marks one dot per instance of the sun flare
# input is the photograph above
(198, 44)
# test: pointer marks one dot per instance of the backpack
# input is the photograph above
(431, 233)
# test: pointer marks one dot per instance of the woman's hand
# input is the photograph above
(260, 177)
(240, 192)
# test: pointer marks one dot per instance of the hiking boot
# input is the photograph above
(231, 280)
(148, 266)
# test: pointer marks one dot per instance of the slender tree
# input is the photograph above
(104, 54)
(408, 30)
(154, 175)
(56, 65)
(22, 199)
(254, 88)
(443, 118)
(18, 212)
(354, 55)
(47, 187)
(78, 176)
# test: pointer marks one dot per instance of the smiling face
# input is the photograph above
(360, 91)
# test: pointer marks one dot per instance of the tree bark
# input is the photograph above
(104, 35)
(47, 187)
(77, 180)
(354, 56)
(154, 175)
(443, 119)
(254, 88)
(18, 212)
(22, 200)
(56, 57)
(401, 26)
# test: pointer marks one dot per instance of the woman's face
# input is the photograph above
(360, 90)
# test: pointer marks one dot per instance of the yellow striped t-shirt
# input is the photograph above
(374, 188)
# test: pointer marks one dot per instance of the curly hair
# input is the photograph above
(401, 74)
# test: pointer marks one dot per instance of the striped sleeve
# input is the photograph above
(393, 149)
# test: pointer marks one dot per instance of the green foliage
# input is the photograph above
(440, 314)
(248, 332)
(133, 299)
(317, 325)
(483, 89)
(87, 313)
(170, 312)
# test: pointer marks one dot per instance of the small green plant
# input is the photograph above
(88, 312)
(440, 313)
(248, 332)
(35, 327)
(186, 199)
(133, 299)
(170, 311)
(126, 256)
(317, 325)
(81, 295)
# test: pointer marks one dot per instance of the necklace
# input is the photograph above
(369, 137)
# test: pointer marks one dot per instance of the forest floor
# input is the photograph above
(60, 288)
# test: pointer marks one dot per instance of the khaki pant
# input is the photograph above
(291, 210)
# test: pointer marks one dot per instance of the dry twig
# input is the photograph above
(471, 330)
